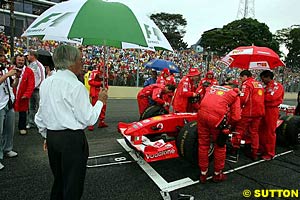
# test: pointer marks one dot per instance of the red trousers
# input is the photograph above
(267, 134)
(250, 124)
(102, 114)
(206, 129)
(143, 103)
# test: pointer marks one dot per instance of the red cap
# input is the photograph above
(210, 72)
(166, 71)
(193, 72)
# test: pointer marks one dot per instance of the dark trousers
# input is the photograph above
(68, 153)
(22, 120)
(297, 110)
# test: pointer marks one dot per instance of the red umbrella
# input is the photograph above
(253, 57)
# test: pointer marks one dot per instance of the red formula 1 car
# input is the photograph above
(172, 135)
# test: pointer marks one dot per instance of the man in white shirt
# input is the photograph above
(39, 76)
(64, 112)
(7, 113)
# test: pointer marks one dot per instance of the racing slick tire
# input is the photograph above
(153, 111)
(187, 143)
(288, 133)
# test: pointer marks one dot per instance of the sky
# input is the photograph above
(203, 15)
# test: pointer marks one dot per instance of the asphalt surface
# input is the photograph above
(28, 176)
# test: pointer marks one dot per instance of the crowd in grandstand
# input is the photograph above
(123, 64)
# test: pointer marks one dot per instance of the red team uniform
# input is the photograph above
(185, 89)
(96, 82)
(166, 78)
(153, 92)
(217, 102)
(274, 94)
(253, 109)
(209, 78)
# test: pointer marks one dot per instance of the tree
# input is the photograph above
(173, 27)
(293, 45)
(244, 32)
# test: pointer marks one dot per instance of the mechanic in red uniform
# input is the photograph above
(154, 92)
(186, 89)
(274, 94)
(96, 82)
(165, 78)
(209, 78)
(253, 109)
(218, 102)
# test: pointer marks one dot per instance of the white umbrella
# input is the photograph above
(98, 22)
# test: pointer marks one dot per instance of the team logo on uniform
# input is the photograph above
(260, 92)
(220, 93)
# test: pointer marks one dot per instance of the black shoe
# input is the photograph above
(252, 155)
(233, 156)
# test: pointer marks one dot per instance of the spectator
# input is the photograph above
(39, 76)
(23, 92)
(152, 79)
(86, 78)
(7, 114)
(297, 110)
(64, 112)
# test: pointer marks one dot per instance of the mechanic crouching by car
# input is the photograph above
(186, 89)
(219, 108)
(153, 94)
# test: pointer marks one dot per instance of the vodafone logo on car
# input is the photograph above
(160, 154)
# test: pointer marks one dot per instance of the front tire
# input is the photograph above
(153, 111)
(187, 143)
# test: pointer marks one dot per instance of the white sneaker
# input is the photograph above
(23, 132)
(1, 166)
(11, 154)
(28, 126)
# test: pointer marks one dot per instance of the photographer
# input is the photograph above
(7, 113)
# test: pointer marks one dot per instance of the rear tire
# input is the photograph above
(153, 111)
(187, 143)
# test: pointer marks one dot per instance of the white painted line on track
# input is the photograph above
(165, 186)
(109, 164)
(256, 162)
(156, 178)
(104, 155)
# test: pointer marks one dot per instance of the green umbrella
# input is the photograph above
(97, 22)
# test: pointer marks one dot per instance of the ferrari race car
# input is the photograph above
(166, 136)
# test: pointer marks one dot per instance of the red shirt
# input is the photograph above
(219, 100)
(252, 98)
(170, 80)
(95, 82)
(185, 89)
(153, 91)
(274, 94)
